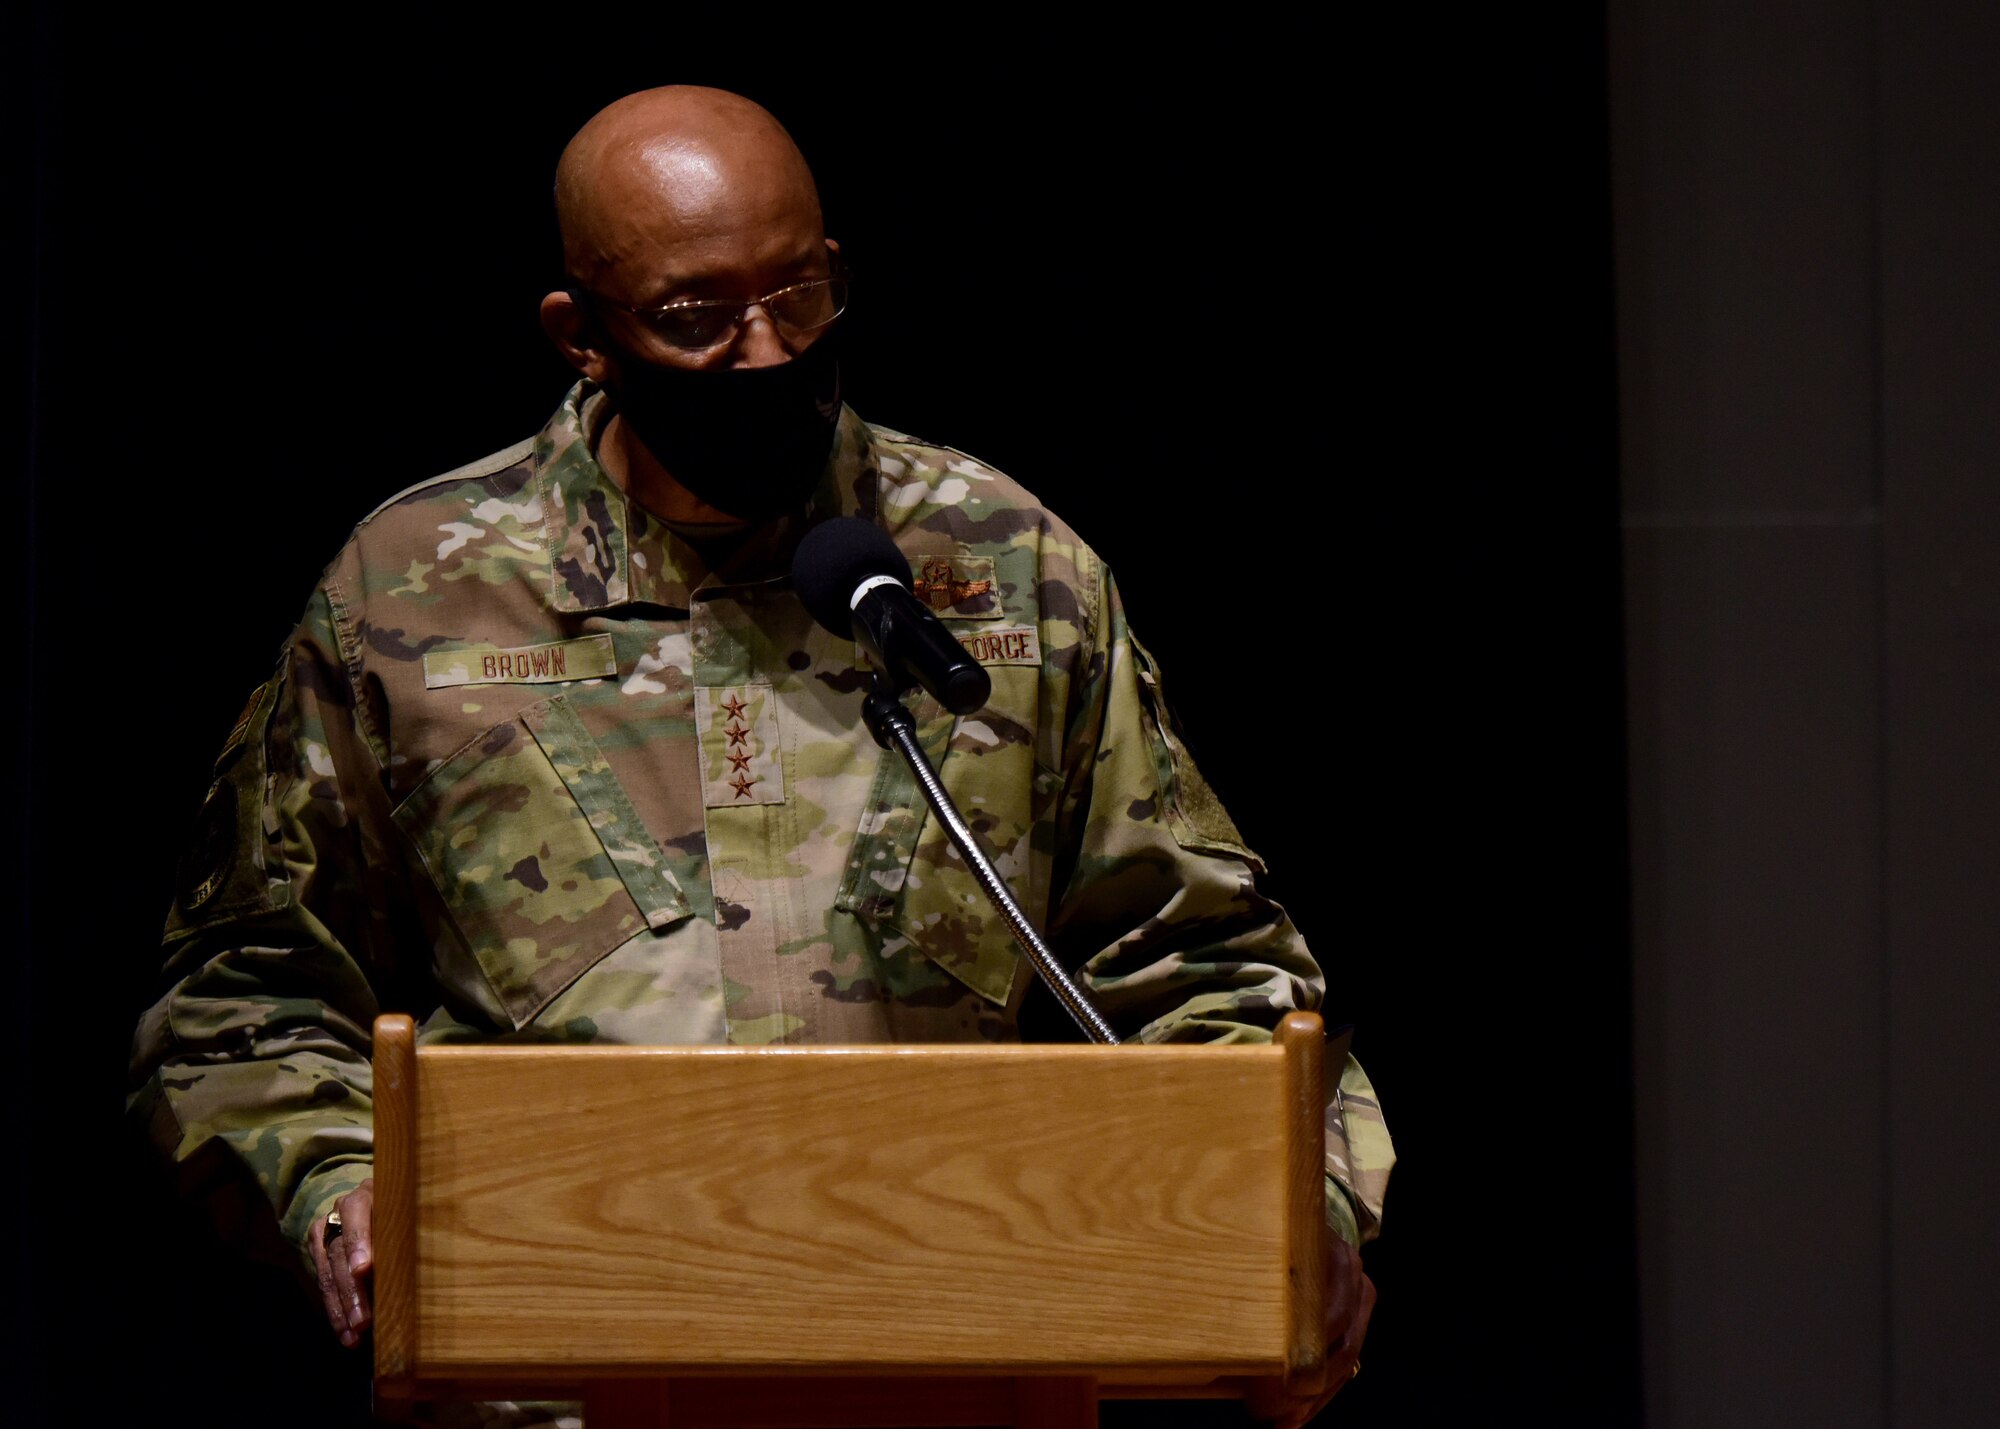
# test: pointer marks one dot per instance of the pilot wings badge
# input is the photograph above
(959, 587)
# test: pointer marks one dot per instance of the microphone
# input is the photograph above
(856, 584)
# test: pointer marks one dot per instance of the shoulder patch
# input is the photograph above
(1192, 811)
(223, 870)
(205, 863)
(242, 728)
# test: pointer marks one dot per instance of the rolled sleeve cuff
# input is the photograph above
(1340, 1213)
(325, 1184)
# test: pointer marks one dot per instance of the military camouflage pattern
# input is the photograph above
(424, 810)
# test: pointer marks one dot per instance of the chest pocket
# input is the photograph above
(904, 871)
(538, 855)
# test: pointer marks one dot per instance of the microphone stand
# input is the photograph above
(894, 727)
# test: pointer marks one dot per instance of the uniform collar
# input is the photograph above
(606, 551)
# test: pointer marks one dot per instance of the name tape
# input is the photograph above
(589, 657)
(1005, 645)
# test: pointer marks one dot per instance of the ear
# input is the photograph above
(834, 249)
(569, 327)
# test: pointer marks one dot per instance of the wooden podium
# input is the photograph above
(881, 1235)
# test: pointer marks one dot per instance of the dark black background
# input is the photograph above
(1307, 330)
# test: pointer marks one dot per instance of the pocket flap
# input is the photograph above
(904, 874)
(949, 918)
(584, 771)
(538, 856)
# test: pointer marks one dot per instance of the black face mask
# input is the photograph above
(751, 441)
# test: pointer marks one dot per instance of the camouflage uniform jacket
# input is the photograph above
(530, 767)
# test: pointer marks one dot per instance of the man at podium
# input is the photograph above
(556, 754)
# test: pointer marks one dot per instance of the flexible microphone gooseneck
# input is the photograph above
(856, 583)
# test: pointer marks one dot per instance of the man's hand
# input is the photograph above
(345, 1265)
(1350, 1300)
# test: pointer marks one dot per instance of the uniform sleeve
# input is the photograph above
(1157, 908)
(251, 1073)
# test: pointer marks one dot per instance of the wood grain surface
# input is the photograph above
(1302, 1038)
(395, 1288)
(943, 1209)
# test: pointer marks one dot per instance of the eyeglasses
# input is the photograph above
(703, 323)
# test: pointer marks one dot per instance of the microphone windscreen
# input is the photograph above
(834, 558)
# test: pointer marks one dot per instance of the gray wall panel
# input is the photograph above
(1808, 210)
(1744, 189)
(1741, 178)
(1940, 165)
(1753, 676)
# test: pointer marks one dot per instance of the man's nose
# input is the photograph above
(757, 342)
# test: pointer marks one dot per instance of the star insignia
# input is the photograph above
(741, 784)
(734, 704)
(739, 762)
(736, 735)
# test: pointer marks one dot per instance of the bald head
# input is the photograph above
(666, 190)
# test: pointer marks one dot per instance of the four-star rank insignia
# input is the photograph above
(741, 754)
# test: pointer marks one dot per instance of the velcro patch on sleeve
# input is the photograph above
(206, 861)
(589, 657)
(1004, 645)
(242, 726)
